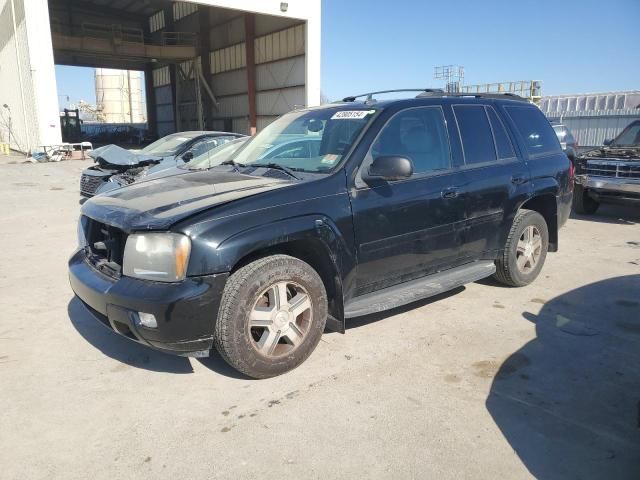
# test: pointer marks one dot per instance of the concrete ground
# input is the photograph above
(482, 383)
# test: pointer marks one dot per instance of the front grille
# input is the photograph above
(89, 184)
(611, 168)
(105, 246)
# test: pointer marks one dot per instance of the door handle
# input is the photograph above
(518, 180)
(450, 193)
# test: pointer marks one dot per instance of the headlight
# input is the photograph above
(162, 257)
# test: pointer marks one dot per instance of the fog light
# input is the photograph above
(147, 320)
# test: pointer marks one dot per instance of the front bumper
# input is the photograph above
(615, 185)
(185, 311)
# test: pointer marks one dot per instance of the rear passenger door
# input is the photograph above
(496, 180)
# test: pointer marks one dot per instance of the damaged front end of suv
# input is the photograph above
(115, 167)
(609, 174)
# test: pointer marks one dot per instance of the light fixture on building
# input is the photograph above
(284, 6)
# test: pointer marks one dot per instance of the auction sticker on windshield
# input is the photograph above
(351, 114)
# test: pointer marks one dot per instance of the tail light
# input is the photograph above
(572, 170)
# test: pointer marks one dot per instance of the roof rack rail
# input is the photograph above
(510, 96)
(371, 94)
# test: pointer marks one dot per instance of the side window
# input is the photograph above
(419, 134)
(569, 138)
(204, 145)
(477, 138)
(537, 133)
(503, 143)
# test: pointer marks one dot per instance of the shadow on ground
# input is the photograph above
(612, 213)
(136, 355)
(568, 402)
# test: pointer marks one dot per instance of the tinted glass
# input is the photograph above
(170, 144)
(630, 136)
(419, 134)
(216, 155)
(537, 133)
(203, 146)
(503, 143)
(477, 139)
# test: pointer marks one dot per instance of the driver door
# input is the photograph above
(409, 228)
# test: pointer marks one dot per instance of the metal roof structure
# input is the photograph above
(557, 105)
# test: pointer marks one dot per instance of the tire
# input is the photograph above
(518, 266)
(259, 333)
(582, 202)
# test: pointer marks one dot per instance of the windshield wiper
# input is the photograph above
(233, 163)
(276, 166)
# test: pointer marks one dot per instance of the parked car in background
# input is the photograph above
(610, 173)
(204, 161)
(329, 213)
(289, 148)
(567, 140)
(116, 166)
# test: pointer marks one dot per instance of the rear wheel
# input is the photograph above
(272, 315)
(525, 251)
(582, 202)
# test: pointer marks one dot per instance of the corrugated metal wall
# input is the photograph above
(165, 121)
(593, 128)
(593, 117)
(280, 73)
(280, 70)
(16, 81)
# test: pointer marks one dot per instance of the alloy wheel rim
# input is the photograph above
(529, 249)
(280, 319)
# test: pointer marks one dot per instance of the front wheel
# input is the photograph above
(272, 314)
(525, 251)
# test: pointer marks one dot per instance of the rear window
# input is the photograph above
(536, 131)
(477, 139)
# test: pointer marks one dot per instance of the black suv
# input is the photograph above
(402, 200)
(610, 173)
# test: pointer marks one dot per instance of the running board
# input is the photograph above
(425, 287)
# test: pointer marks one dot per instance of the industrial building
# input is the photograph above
(593, 117)
(214, 64)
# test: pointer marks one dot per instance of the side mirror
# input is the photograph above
(391, 167)
(607, 142)
(187, 156)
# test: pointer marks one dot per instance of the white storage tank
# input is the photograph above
(119, 96)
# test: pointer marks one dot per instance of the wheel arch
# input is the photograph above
(546, 204)
(312, 239)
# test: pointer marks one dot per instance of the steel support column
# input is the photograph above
(150, 100)
(250, 35)
(204, 50)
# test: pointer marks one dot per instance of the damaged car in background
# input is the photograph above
(117, 167)
(610, 173)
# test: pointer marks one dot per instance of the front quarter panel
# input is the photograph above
(223, 236)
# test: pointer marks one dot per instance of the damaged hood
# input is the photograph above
(113, 155)
(158, 204)
(615, 153)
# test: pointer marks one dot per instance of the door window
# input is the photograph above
(475, 133)
(420, 134)
(503, 143)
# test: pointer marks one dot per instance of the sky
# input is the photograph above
(572, 46)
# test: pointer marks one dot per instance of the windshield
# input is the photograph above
(216, 155)
(629, 137)
(168, 145)
(307, 141)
